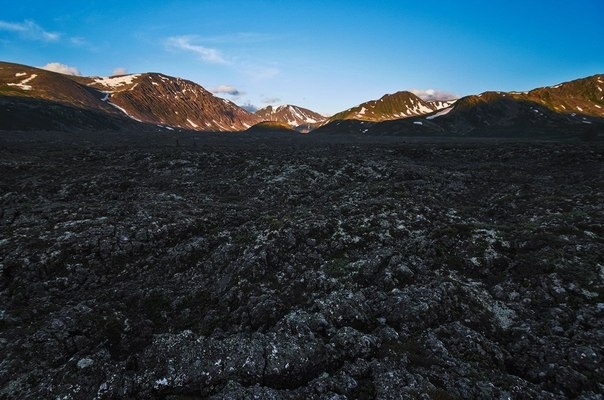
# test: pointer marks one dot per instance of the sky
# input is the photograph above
(324, 55)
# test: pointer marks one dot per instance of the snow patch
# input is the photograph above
(23, 85)
(21, 74)
(124, 111)
(115, 82)
(418, 123)
(422, 109)
(440, 113)
(193, 124)
(442, 104)
(579, 108)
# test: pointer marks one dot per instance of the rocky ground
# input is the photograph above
(192, 267)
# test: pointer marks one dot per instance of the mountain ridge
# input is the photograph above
(31, 95)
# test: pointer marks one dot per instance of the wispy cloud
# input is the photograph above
(77, 41)
(434, 94)
(30, 30)
(198, 46)
(239, 38)
(61, 68)
(271, 100)
(189, 44)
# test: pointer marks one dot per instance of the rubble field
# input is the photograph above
(167, 266)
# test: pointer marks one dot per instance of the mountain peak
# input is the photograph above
(296, 117)
(398, 105)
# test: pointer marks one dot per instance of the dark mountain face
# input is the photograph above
(148, 98)
(20, 113)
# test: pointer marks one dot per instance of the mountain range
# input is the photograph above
(570, 108)
(34, 99)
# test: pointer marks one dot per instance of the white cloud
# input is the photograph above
(434, 94)
(30, 30)
(119, 71)
(61, 68)
(185, 43)
(227, 89)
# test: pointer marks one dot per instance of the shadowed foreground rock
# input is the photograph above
(292, 270)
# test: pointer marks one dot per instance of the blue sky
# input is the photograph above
(323, 55)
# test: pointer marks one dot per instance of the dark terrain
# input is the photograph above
(296, 267)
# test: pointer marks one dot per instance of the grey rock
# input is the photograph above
(288, 268)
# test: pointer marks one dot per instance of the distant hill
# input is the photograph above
(272, 126)
(296, 117)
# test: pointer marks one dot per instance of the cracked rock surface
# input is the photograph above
(160, 267)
